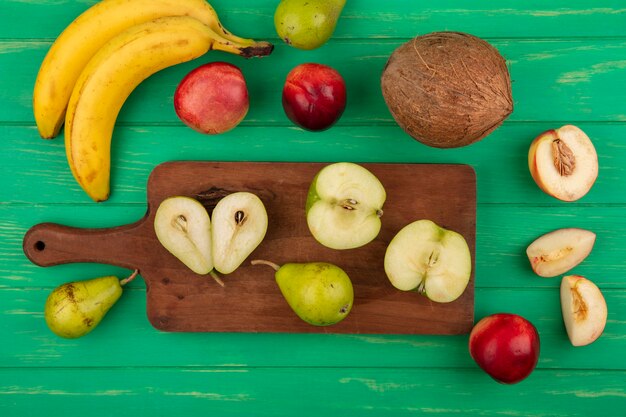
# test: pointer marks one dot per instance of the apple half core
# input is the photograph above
(344, 206)
(429, 259)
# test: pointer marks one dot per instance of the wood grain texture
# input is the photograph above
(371, 18)
(180, 300)
(340, 391)
(566, 58)
(34, 346)
(578, 74)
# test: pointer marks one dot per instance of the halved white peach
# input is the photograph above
(584, 310)
(563, 162)
(560, 250)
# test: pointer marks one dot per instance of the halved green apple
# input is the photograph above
(239, 226)
(344, 206)
(429, 259)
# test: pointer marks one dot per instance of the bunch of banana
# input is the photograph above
(101, 57)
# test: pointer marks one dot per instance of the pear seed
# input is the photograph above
(180, 223)
(240, 217)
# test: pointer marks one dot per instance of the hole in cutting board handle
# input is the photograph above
(40, 245)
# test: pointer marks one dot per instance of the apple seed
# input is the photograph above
(349, 204)
(564, 160)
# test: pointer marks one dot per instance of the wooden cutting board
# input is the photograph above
(180, 300)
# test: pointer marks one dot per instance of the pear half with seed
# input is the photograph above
(183, 227)
(429, 259)
(239, 226)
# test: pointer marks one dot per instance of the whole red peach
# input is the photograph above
(314, 96)
(212, 98)
(505, 346)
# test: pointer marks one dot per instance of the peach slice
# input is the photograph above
(584, 309)
(559, 251)
(563, 162)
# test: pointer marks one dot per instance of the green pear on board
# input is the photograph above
(307, 24)
(320, 293)
(75, 308)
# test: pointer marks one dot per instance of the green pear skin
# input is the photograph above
(74, 309)
(320, 293)
(307, 24)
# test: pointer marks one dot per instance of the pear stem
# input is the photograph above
(129, 278)
(263, 262)
(216, 277)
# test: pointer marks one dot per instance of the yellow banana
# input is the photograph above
(69, 54)
(113, 73)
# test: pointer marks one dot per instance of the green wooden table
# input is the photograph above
(568, 64)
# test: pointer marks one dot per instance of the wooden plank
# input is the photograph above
(126, 331)
(503, 233)
(567, 62)
(553, 80)
(500, 160)
(371, 18)
(311, 391)
(180, 300)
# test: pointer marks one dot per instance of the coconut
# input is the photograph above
(447, 89)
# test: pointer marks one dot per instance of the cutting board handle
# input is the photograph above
(48, 244)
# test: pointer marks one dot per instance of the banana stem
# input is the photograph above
(263, 262)
(216, 278)
(129, 278)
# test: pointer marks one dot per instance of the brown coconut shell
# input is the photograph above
(447, 89)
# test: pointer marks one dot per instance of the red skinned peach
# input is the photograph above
(212, 98)
(505, 346)
(314, 96)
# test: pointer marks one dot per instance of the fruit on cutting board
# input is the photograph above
(307, 24)
(314, 96)
(447, 89)
(205, 245)
(74, 309)
(429, 259)
(320, 293)
(239, 226)
(112, 74)
(70, 53)
(506, 346)
(560, 250)
(183, 227)
(584, 309)
(563, 162)
(344, 206)
(212, 98)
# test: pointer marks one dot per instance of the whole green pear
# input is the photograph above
(320, 293)
(74, 309)
(307, 24)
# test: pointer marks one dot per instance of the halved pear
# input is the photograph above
(183, 227)
(344, 206)
(239, 226)
(429, 259)
(584, 309)
(559, 251)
